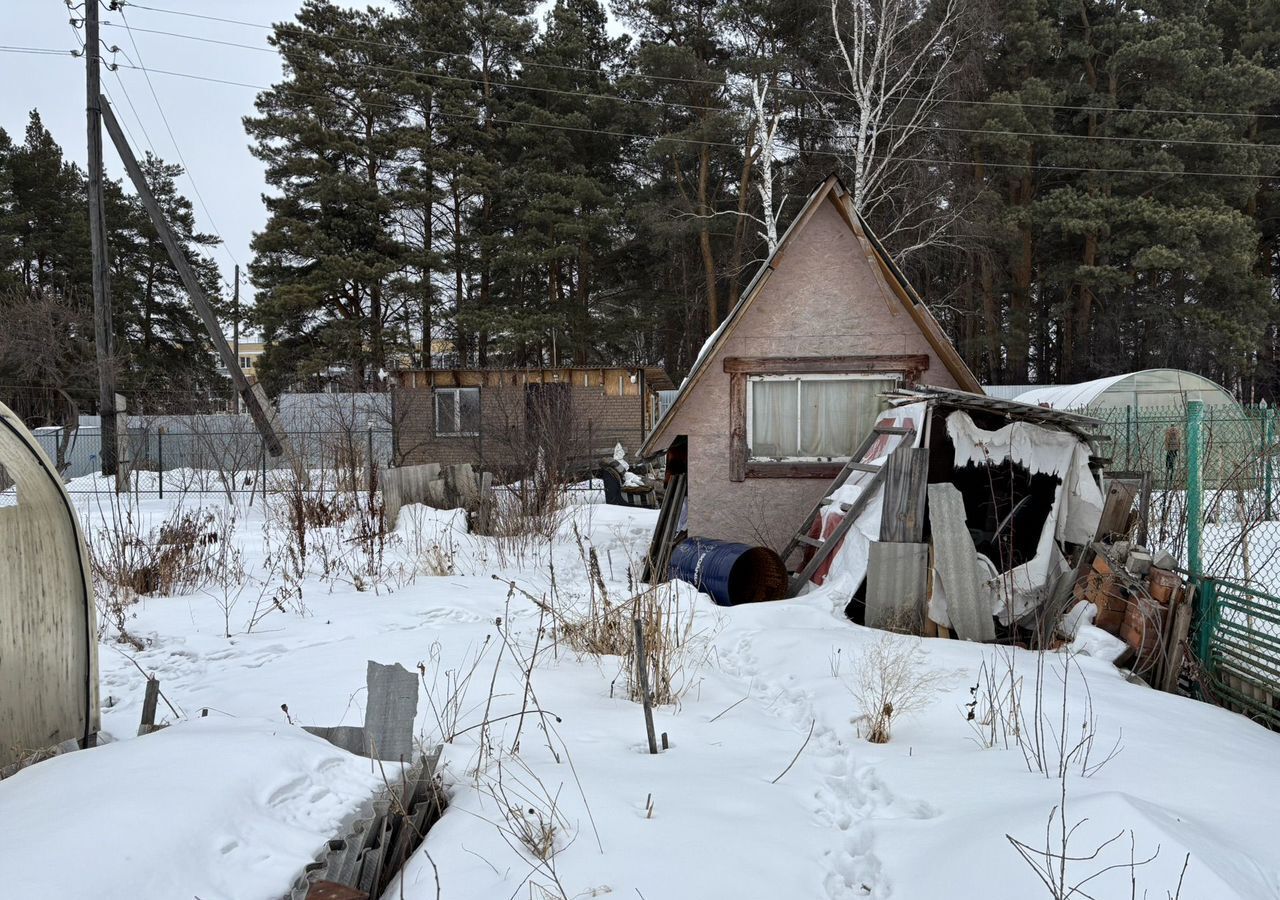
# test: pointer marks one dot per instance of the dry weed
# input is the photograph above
(891, 681)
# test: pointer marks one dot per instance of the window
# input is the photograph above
(457, 412)
(812, 417)
(246, 362)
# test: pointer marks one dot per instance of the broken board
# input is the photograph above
(956, 562)
(896, 576)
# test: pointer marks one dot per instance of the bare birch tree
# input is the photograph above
(765, 125)
(896, 58)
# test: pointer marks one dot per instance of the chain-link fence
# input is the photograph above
(1239, 534)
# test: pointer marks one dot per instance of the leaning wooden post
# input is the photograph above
(149, 700)
(642, 677)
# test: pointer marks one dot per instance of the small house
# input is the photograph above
(796, 376)
(505, 420)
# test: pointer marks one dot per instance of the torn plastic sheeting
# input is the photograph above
(1039, 450)
(1077, 503)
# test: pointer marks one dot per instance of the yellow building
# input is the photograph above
(250, 352)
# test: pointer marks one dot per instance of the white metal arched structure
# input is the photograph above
(1139, 390)
(48, 636)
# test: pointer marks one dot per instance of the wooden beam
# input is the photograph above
(907, 363)
(737, 426)
(825, 471)
(255, 399)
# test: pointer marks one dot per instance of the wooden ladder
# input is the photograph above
(823, 548)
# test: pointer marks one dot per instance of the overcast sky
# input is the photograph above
(205, 118)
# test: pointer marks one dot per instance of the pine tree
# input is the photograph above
(160, 340)
(325, 264)
(563, 188)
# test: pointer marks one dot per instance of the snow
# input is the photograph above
(210, 807)
(764, 686)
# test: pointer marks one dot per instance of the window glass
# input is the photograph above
(773, 418)
(457, 411)
(446, 420)
(815, 417)
(836, 414)
(469, 410)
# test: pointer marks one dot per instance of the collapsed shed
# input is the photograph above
(965, 513)
(958, 513)
(48, 636)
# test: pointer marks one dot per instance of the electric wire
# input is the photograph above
(704, 82)
(726, 144)
(174, 141)
(648, 101)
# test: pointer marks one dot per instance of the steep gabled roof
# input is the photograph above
(831, 190)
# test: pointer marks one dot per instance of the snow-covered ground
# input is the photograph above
(730, 810)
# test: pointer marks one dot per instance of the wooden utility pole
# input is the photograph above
(255, 399)
(102, 334)
(235, 335)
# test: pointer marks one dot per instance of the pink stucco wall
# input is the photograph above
(824, 299)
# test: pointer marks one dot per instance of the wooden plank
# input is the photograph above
(788, 470)
(1177, 637)
(956, 562)
(906, 363)
(907, 475)
(1115, 511)
(737, 427)
(149, 700)
(896, 576)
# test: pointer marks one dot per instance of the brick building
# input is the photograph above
(501, 420)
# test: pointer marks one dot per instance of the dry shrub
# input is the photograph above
(524, 521)
(176, 558)
(890, 682)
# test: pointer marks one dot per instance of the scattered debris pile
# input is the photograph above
(1141, 600)
(983, 519)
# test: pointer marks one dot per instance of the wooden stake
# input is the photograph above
(642, 677)
(149, 700)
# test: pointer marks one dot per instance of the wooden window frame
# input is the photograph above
(909, 367)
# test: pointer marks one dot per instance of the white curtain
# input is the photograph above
(774, 405)
(837, 414)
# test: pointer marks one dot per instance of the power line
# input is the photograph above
(696, 108)
(113, 69)
(697, 81)
(38, 51)
(173, 140)
(726, 144)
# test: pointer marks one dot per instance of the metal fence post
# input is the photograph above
(1195, 486)
(1268, 437)
(1128, 438)
(264, 469)
(371, 469)
(160, 459)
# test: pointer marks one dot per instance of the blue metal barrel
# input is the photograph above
(730, 573)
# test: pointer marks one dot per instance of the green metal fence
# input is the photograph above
(1237, 443)
(1239, 648)
(1238, 611)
